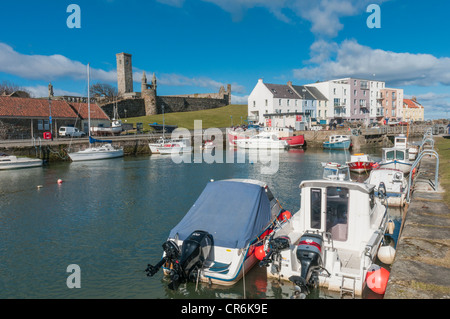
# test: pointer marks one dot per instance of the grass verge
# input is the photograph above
(442, 146)
(219, 117)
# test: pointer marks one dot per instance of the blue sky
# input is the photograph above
(195, 46)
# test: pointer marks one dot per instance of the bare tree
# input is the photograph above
(103, 89)
(7, 88)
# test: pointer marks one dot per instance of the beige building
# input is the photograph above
(392, 102)
(413, 110)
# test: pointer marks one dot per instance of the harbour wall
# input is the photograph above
(137, 144)
(421, 268)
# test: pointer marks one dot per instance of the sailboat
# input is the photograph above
(155, 147)
(105, 151)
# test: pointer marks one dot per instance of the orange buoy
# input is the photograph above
(377, 279)
(260, 252)
(285, 216)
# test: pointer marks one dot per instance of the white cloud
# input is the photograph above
(42, 91)
(355, 60)
(324, 15)
(46, 67)
(172, 79)
(235, 99)
(52, 67)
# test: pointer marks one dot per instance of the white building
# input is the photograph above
(337, 92)
(291, 103)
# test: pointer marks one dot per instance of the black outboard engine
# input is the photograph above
(194, 251)
(310, 256)
(276, 245)
(172, 253)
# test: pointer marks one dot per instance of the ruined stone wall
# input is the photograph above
(133, 107)
(188, 104)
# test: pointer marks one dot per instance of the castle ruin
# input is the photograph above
(148, 102)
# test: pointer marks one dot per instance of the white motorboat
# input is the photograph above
(154, 147)
(394, 182)
(215, 241)
(265, 140)
(238, 133)
(105, 151)
(175, 146)
(332, 240)
(397, 157)
(14, 162)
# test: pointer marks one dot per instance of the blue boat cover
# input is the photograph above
(233, 212)
(93, 140)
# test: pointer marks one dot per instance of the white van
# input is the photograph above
(68, 131)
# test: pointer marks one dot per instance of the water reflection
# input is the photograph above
(111, 218)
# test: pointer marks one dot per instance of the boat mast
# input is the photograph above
(89, 100)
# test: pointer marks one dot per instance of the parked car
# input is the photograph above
(68, 131)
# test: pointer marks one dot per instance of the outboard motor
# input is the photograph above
(276, 245)
(172, 253)
(310, 256)
(194, 251)
(187, 262)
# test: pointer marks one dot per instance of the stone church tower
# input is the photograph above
(148, 93)
(124, 73)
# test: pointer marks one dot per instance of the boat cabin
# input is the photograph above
(338, 138)
(395, 154)
(335, 171)
(345, 211)
(400, 141)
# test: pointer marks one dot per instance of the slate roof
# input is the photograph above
(283, 91)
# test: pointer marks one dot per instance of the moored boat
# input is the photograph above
(175, 146)
(105, 151)
(394, 183)
(397, 157)
(215, 241)
(331, 241)
(338, 142)
(360, 163)
(14, 162)
(264, 140)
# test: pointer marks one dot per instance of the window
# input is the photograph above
(288, 102)
(390, 155)
(345, 91)
(254, 103)
(267, 102)
(316, 208)
(334, 91)
(279, 102)
(355, 93)
(337, 213)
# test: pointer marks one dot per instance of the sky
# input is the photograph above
(195, 46)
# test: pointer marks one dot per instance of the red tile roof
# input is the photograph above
(39, 108)
(412, 104)
(96, 111)
(34, 108)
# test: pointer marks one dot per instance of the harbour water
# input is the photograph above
(111, 217)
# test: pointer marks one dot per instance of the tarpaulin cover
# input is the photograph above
(233, 212)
